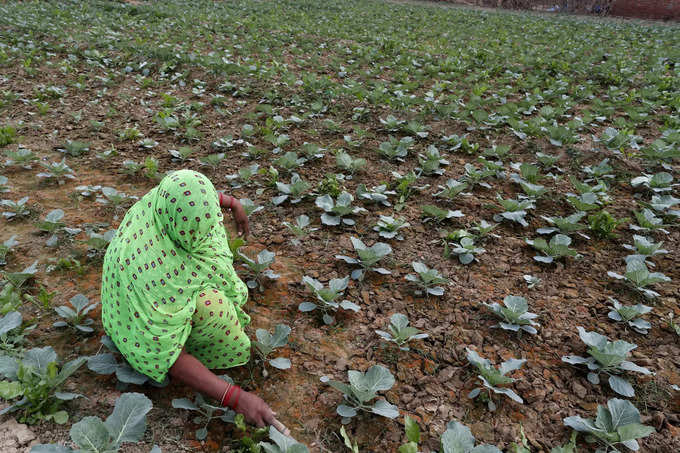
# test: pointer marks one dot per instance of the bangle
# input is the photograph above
(227, 397)
(236, 398)
(224, 393)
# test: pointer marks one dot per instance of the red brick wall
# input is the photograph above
(647, 9)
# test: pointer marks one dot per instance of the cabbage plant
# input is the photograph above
(300, 228)
(379, 194)
(515, 315)
(431, 212)
(258, 269)
(648, 221)
(348, 163)
(267, 343)
(368, 257)
(558, 247)
(607, 357)
(431, 161)
(337, 211)
(427, 280)
(630, 315)
(361, 390)
(282, 443)
(459, 439)
(205, 413)
(37, 380)
(658, 183)
(565, 225)
(294, 192)
(15, 209)
(616, 424)
(644, 248)
(76, 317)
(451, 189)
(327, 298)
(106, 363)
(400, 332)
(465, 249)
(638, 276)
(513, 210)
(126, 424)
(58, 171)
(493, 377)
(6, 247)
(388, 227)
(395, 149)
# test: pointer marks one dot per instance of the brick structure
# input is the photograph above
(646, 9)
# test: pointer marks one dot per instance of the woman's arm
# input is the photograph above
(239, 213)
(190, 371)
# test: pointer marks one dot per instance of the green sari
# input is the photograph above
(170, 250)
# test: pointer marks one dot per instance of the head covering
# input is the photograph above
(170, 246)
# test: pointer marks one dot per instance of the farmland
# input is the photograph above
(505, 185)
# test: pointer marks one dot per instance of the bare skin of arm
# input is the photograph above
(190, 371)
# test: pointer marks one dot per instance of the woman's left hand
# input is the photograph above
(241, 218)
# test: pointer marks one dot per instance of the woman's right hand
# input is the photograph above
(258, 413)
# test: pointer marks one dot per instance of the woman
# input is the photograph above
(171, 300)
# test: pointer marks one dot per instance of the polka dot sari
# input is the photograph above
(168, 281)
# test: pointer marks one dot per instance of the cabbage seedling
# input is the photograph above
(474, 176)
(336, 212)
(300, 228)
(17, 279)
(532, 281)
(492, 377)
(395, 149)
(658, 183)
(431, 161)
(618, 423)
(106, 364)
(126, 423)
(10, 334)
(346, 162)
(295, 191)
(98, 243)
(451, 189)
(56, 170)
(638, 276)
(22, 157)
(459, 439)
(52, 224)
(115, 198)
(400, 332)
(368, 257)
(391, 123)
(644, 248)
(282, 443)
(266, 344)
(465, 249)
(362, 388)
(258, 268)
(427, 280)
(648, 221)
(212, 160)
(76, 316)
(327, 297)
(6, 247)
(388, 227)
(607, 357)
(15, 209)
(289, 161)
(37, 379)
(182, 153)
(243, 176)
(513, 210)
(206, 413)
(603, 224)
(515, 315)
(377, 195)
(74, 148)
(629, 314)
(431, 212)
(558, 247)
(564, 225)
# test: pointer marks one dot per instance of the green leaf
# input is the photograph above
(91, 435)
(634, 431)
(10, 390)
(128, 420)
(412, 430)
